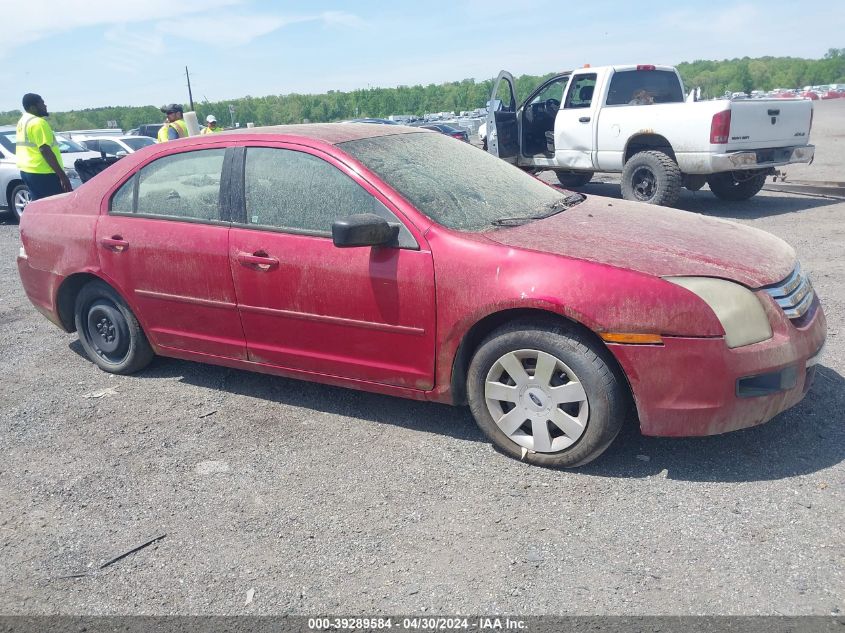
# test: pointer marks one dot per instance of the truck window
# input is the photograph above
(580, 93)
(641, 87)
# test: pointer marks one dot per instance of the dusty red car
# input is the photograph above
(395, 260)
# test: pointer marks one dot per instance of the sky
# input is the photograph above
(84, 54)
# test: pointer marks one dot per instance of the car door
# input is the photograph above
(364, 313)
(575, 124)
(502, 125)
(164, 245)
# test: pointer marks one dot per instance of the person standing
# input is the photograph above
(174, 127)
(211, 126)
(37, 152)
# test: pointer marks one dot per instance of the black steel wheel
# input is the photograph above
(652, 177)
(109, 332)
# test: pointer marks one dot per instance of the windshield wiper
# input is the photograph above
(552, 208)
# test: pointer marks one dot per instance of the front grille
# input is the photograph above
(794, 294)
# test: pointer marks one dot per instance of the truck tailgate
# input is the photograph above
(762, 123)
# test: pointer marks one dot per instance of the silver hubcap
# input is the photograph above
(21, 200)
(536, 400)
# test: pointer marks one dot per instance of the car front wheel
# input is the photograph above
(109, 332)
(574, 178)
(545, 395)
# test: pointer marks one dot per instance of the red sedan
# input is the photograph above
(395, 260)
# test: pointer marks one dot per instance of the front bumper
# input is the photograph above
(698, 386)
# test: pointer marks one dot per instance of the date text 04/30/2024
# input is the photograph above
(417, 623)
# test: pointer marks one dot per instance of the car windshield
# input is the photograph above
(138, 142)
(455, 184)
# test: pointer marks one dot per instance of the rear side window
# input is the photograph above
(298, 192)
(580, 93)
(183, 186)
(642, 87)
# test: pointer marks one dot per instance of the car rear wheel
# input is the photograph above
(735, 186)
(574, 178)
(109, 332)
(545, 395)
(19, 199)
(652, 177)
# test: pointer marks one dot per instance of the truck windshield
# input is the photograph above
(642, 87)
(455, 184)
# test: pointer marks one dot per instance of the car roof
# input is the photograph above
(331, 133)
(112, 138)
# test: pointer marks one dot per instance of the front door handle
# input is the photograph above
(584, 119)
(258, 260)
(115, 243)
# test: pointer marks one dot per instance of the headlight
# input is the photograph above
(738, 310)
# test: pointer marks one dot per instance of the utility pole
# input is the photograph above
(190, 96)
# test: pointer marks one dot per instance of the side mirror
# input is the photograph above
(363, 229)
(121, 154)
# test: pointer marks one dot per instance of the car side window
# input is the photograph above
(580, 93)
(300, 193)
(94, 146)
(553, 91)
(644, 87)
(110, 147)
(123, 199)
(184, 186)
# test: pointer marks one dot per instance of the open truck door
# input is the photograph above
(502, 127)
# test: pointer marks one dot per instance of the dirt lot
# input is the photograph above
(328, 500)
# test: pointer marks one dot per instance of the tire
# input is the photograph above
(515, 410)
(109, 332)
(574, 178)
(726, 186)
(651, 177)
(18, 200)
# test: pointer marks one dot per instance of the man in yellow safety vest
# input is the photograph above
(212, 126)
(175, 127)
(37, 152)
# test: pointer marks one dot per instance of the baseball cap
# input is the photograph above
(211, 119)
(173, 107)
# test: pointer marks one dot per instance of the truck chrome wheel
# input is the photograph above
(536, 400)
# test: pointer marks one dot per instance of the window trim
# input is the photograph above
(238, 191)
(223, 208)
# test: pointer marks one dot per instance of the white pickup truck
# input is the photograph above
(634, 120)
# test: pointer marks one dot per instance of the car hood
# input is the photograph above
(656, 241)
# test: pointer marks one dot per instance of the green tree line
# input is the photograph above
(714, 78)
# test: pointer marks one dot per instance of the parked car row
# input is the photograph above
(14, 195)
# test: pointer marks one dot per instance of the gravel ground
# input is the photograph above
(326, 500)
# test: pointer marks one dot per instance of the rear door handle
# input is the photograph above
(115, 243)
(584, 119)
(259, 260)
